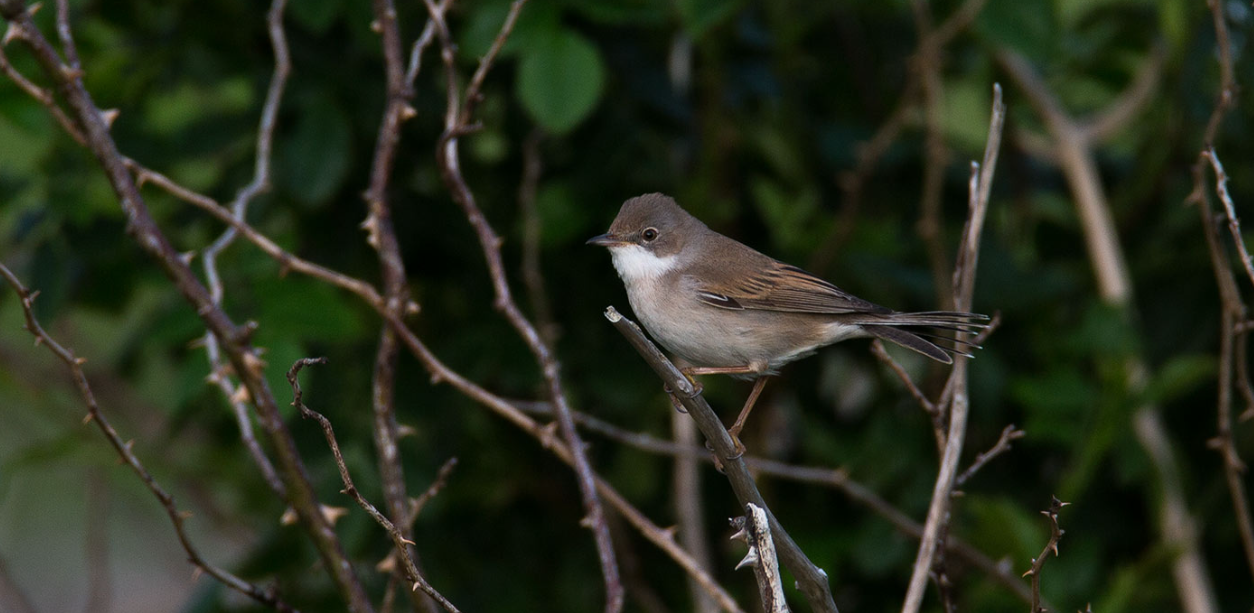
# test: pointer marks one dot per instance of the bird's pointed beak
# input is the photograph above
(606, 240)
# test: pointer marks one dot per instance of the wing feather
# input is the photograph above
(781, 287)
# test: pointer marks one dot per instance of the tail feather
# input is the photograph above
(949, 320)
(886, 328)
(912, 341)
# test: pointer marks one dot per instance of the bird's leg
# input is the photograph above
(739, 424)
(734, 431)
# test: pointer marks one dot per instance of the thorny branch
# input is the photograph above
(381, 235)
(235, 339)
(1233, 334)
(456, 123)
(1055, 534)
(402, 544)
(178, 518)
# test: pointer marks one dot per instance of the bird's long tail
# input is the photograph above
(889, 327)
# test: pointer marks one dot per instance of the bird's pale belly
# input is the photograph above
(708, 336)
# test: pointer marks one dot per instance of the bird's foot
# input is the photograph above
(697, 388)
(734, 432)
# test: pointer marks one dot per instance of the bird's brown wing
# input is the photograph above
(781, 287)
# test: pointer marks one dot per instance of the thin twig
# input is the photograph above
(441, 480)
(401, 543)
(1038, 563)
(1232, 348)
(42, 96)
(1008, 434)
(963, 289)
(938, 424)
(869, 152)
(1230, 210)
(381, 235)
(533, 277)
(178, 518)
(1233, 332)
(457, 117)
(239, 209)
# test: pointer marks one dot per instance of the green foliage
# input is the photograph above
(560, 80)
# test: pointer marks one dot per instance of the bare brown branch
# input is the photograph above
(239, 209)
(382, 237)
(938, 420)
(457, 122)
(963, 289)
(1008, 434)
(402, 544)
(177, 518)
(1038, 563)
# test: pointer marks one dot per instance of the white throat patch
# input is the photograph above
(634, 263)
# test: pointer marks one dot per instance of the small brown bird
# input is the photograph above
(725, 308)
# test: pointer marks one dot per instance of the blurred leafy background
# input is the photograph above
(750, 113)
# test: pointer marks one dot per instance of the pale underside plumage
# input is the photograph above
(781, 314)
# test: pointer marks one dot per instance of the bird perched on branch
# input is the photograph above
(725, 308)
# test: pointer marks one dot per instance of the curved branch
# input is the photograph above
(178, 518)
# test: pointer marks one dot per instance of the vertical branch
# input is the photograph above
(1233, 311)
(239, 209)
(963, 288)
(533, 278)
(235, 339)
(1232, 341)
(381, 235)
(457, 122)
(755, 530)
(1038, 563)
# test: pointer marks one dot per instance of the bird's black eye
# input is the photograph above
(649, 235)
